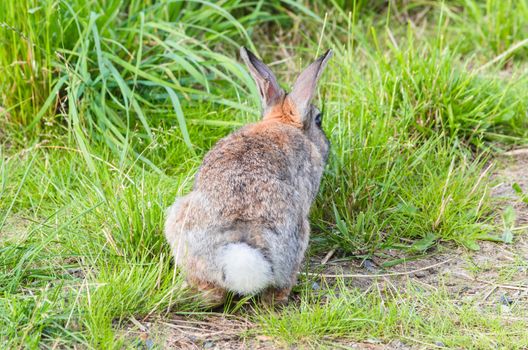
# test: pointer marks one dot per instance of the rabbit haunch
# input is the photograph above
(244, 226)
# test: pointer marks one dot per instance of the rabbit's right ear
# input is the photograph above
(305, 86)
(269, 89)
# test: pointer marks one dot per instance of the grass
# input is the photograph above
(334, 318)
(107, 108)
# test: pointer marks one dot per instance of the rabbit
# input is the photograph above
(244, 226)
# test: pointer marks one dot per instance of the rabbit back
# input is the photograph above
(254, 187)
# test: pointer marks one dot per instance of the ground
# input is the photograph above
(497, 274)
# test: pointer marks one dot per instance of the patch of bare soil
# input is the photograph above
(214, 331)
(514, 170)
(219, 332)
(14, 230)
(496, 274)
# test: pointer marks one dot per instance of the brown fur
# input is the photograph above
(284, 112)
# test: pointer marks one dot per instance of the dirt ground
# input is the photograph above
(497, 273)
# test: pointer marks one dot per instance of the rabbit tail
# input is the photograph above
(245, 269)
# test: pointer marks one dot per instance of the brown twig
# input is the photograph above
(516, 152)
(503, 286)
(327, 256)
(489, 293)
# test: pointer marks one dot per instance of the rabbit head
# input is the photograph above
(294, 108)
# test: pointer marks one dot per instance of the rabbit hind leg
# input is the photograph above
(276, 296)
(207, 293)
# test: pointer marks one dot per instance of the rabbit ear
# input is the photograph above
(304, 88)
(269, 89)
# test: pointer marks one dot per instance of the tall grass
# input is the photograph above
(103, 69)
(412, 134)
(499, 27)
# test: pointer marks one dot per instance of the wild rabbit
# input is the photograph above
(244, 227)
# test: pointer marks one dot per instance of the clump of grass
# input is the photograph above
(104, 70)
(488, 32)
(31, 320)
(405, 131)
(26, 58)
(425, 191)
(97, 248)
(130, 289)
(490, 28)
(426, 317)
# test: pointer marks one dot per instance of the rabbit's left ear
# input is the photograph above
(269, 89)
(304, 88)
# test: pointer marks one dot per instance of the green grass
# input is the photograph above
(410, 125)
(123, 269)
(107, 108)
(419, 316)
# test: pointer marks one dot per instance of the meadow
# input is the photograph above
(107, 108)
